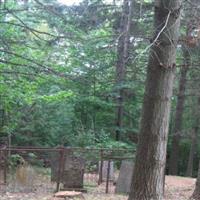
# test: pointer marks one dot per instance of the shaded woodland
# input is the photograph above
(105, 74)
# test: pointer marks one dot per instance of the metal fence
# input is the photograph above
(28, 169)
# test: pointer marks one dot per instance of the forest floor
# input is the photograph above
(176, 188)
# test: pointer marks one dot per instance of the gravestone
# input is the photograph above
(105, 170)
(125, 176)
(69, 195)
(73, 171)
(24, 178)
(54, 163)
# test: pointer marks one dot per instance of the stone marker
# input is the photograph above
(25, 178)
(105, 170)
(54, 162)
(73, 173)
(125, 176)
(69, 195)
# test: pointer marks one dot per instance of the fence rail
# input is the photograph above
(93, 158)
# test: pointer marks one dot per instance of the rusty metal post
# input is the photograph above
(61, 168)
(1, 167)
(101, 168)
(5, 162)
(108, 177)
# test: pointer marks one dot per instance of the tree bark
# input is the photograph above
(174, 157)
(196, 193)
(189, 171)
(122, 53)
(194, 138)
(148, 181)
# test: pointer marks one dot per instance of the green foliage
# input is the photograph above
(58, 74)
(15, 160)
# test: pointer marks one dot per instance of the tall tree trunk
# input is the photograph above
(196, 193)
(189, 171)
(122, 53)
(174, 157)
(148, 181)
(194, 139)
(192, 22)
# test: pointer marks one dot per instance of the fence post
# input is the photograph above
(5, 163)
(1, 167)
(60, 169)
(108, 177)
(101, 168)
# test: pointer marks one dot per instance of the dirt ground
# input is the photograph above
(176, 188)
(179, 188)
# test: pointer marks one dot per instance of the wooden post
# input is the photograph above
(101, 168)
(61, 167)
(1, 163)
(9, 145)
(108, 177)
(5, 166)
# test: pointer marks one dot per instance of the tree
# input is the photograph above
(191, 24)
(122, 58)
(194, 137)
(148, 175)
(196, 193)
(174, 157)
(195, 128)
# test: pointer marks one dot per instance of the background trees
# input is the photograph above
(60, 62)
(58, 76)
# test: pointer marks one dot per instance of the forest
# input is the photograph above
(105, 74)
